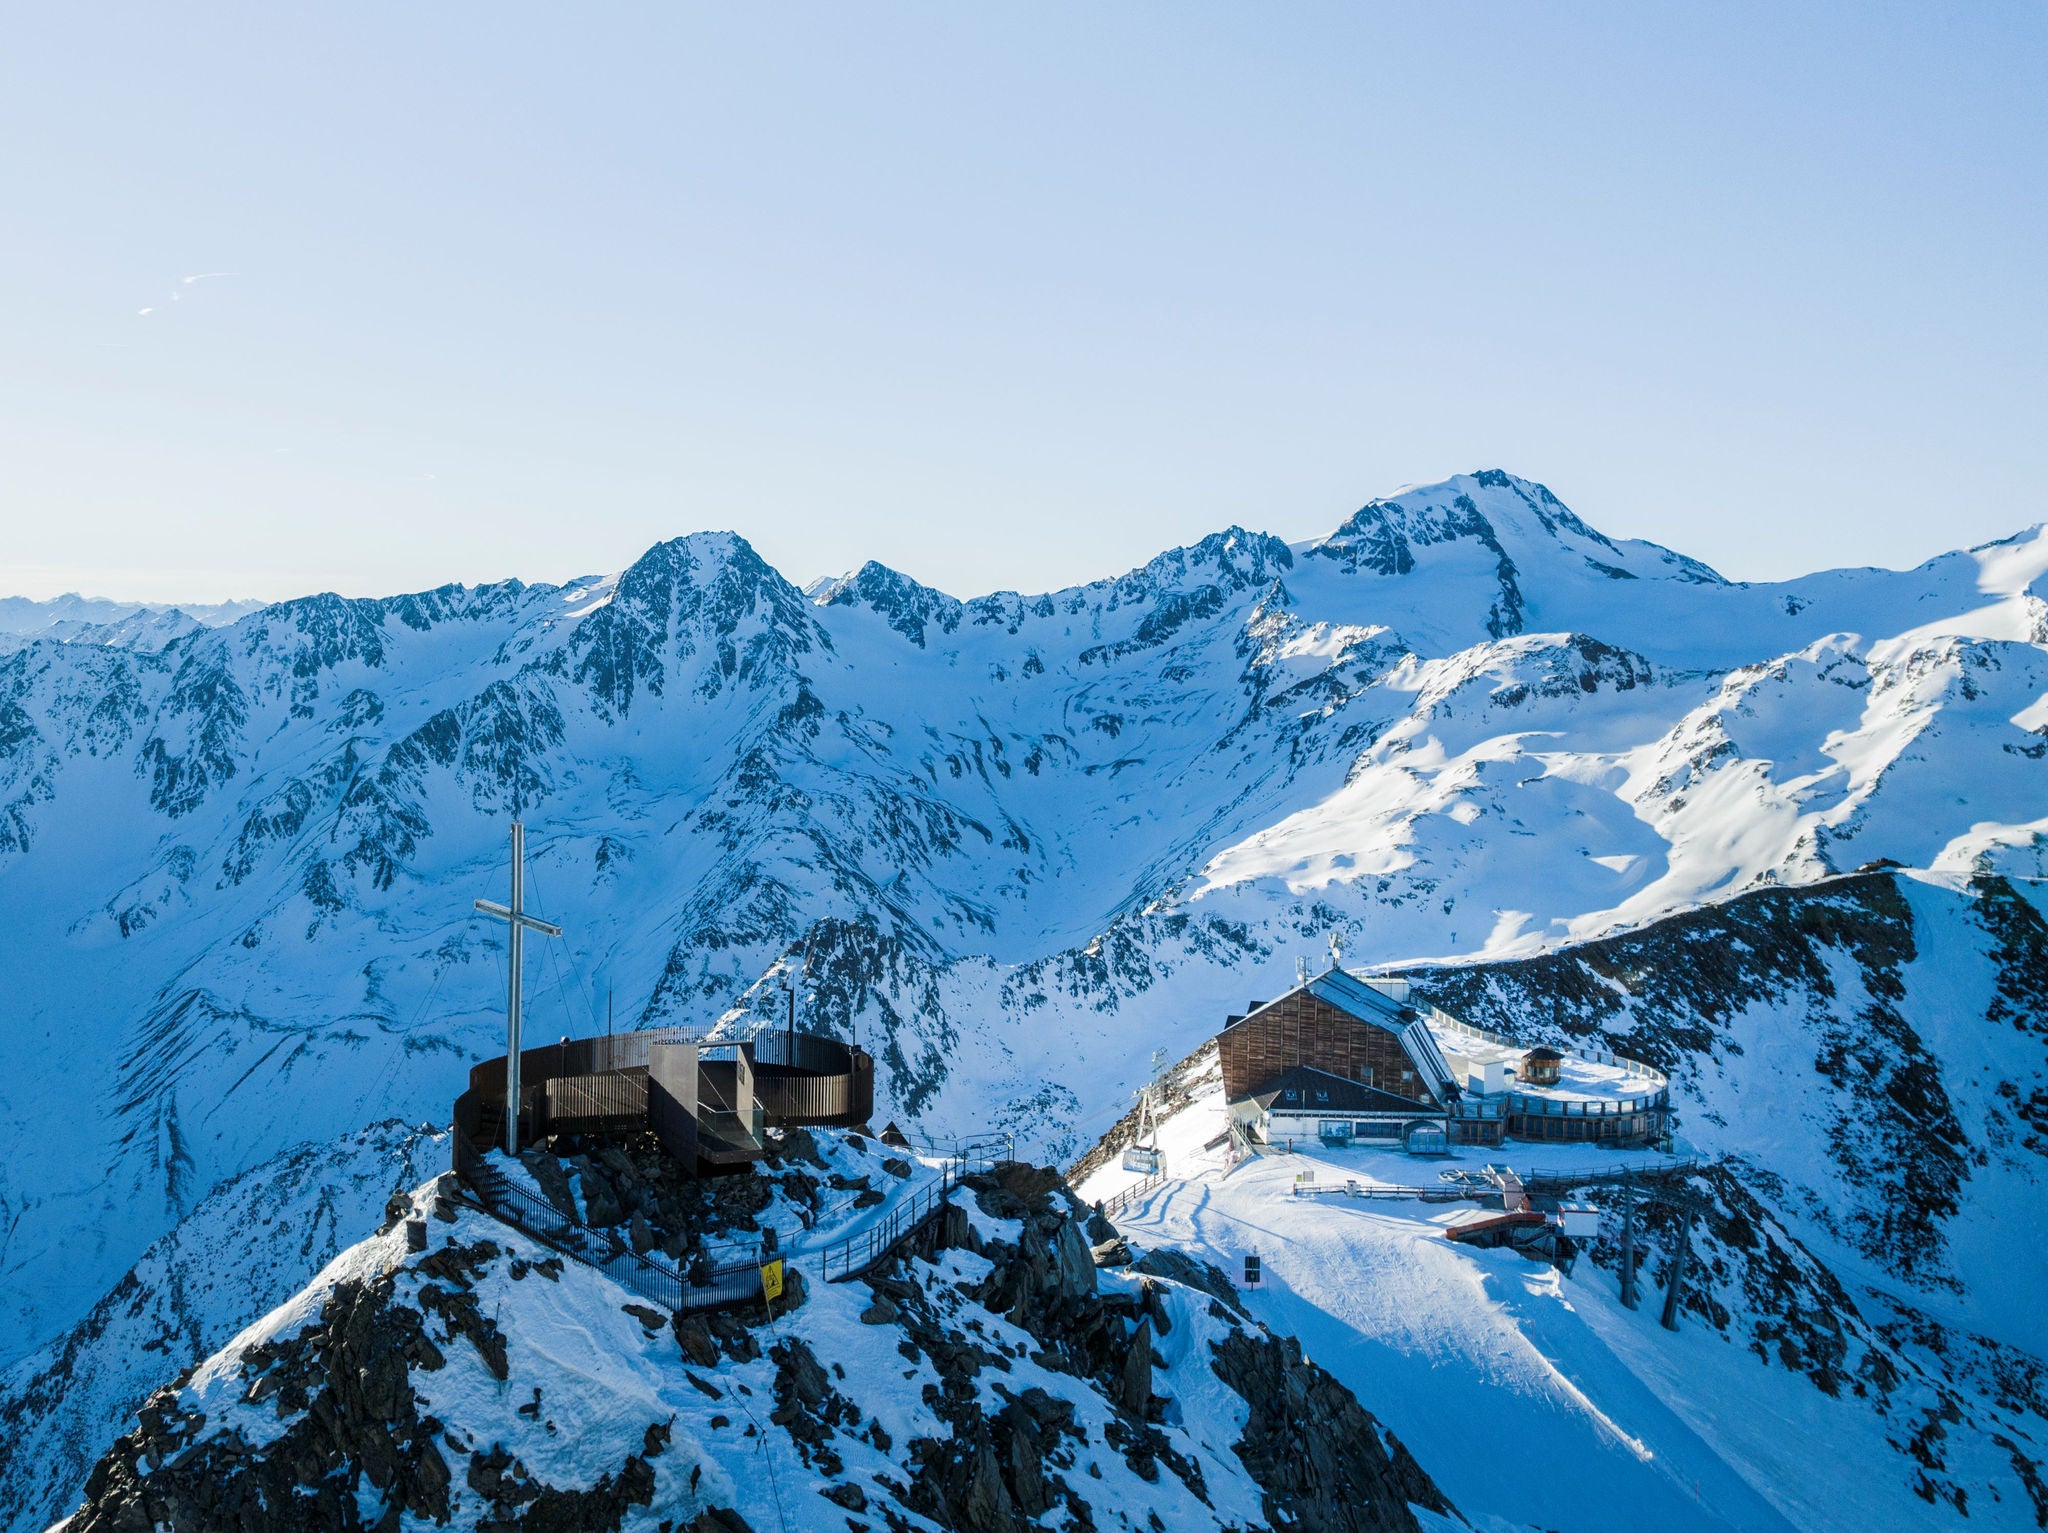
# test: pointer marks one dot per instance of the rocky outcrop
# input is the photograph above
(345, 1384)
(1037, 1387)
(355, 1450)
(997, 1473)
(1320, 1458)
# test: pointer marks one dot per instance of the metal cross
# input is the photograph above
(515, 917)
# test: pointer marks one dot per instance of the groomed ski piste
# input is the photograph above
(1534, 1397)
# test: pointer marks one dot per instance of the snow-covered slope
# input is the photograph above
(246, 1248)
(1599, 1414)
(998, 1385)
(1865, 1063)
(1021, 840)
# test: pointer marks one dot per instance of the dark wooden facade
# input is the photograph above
(1301, 1028)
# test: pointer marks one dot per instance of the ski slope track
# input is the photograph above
(1019, 842)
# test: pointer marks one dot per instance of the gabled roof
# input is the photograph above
(1337, 1095)
(1349, 993)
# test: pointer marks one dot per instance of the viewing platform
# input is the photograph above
(707, 1101)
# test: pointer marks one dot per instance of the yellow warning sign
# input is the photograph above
(771, 1280)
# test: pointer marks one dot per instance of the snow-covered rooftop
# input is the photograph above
(1602, 1078)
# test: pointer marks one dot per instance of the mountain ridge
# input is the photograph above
(1017, 856)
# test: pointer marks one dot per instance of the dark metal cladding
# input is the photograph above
(707, 1111)
(806, 1078)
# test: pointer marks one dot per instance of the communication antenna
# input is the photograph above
(1300, 970)
(1336, 949)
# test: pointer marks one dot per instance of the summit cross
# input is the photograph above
(515, 917)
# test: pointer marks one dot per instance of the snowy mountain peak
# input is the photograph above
(706, 604)
(905, 604)
(1517, 523)
(1234, 559)
(1219, 565)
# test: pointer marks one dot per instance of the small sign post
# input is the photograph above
(1251, 1269)
(771, 1281)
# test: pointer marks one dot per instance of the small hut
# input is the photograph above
(1540, 1067)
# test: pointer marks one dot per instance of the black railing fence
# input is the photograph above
(714, 1275)
(855, 1254)
(970, 1152)
(598, 1085)
(841, 1260)
(1111, 1207)
(1638, 1171)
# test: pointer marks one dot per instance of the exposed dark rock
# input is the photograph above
(1134, 1380)
(522, 1505)
(1314, 1451)
(356, 1453)
(719, 1519)
(849, 1496)
(601, 1205)
(1165, 1262)
(694, 1336)
(346, 1380)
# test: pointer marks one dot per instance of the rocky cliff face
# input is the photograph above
(1001, 1384)
(248, 1247)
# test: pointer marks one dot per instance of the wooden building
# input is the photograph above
(1341, 1059)
(1341, 1026)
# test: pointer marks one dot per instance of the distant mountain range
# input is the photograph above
(1017, 842)
(73, 616)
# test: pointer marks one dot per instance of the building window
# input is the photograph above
(1365, 1074)
(1322, 1096)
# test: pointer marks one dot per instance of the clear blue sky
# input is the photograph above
(1003, 296)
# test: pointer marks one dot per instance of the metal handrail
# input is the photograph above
(1639, 1171)
(1440, 1018)
(734, 1274)
(1112, 1206)
(860, 1252)
(1587, 1107)
(974, 1152)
